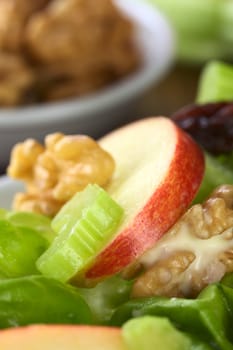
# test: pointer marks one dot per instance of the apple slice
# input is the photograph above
(147, 333)
(62, 337)
(159, 169)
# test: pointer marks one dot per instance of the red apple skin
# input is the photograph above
(170, 200)
(62, 337)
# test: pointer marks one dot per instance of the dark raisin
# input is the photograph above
(211, 125)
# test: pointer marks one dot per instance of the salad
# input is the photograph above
(125, 243)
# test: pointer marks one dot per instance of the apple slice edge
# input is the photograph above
(159, 169)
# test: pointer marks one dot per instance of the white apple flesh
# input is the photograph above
(159, 169)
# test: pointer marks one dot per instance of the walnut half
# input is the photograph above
(196, 251)
(54, 172)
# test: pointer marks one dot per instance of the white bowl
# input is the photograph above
(8, 188)
(101, 111)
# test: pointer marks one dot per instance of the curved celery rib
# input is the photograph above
(216, 83)
(84, 226)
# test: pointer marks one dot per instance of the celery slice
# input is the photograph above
(3, 213)
(152, 332)
(216, 83)
(84, 226)
(192, 49)
(227, 21)
(195, 17)
(203, 28)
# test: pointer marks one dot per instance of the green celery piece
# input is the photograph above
(74, 209)
(193, 49)
(226, 26)
(40, 223)
(215, 174)
(36, 299)
(151, 332)
(203, 28)
(197, 26)
(3, 213)
(20, 247)
(84, 226)
(194, 17)
(216, 83)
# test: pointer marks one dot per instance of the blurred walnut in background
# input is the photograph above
(17, 76)
(14, 15)
(73, 46)
(16, 79)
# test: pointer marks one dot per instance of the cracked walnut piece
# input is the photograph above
(88, 36)
(55, 172)
(72, 47)
(16, 79)
(13, 17)
(196, 251)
